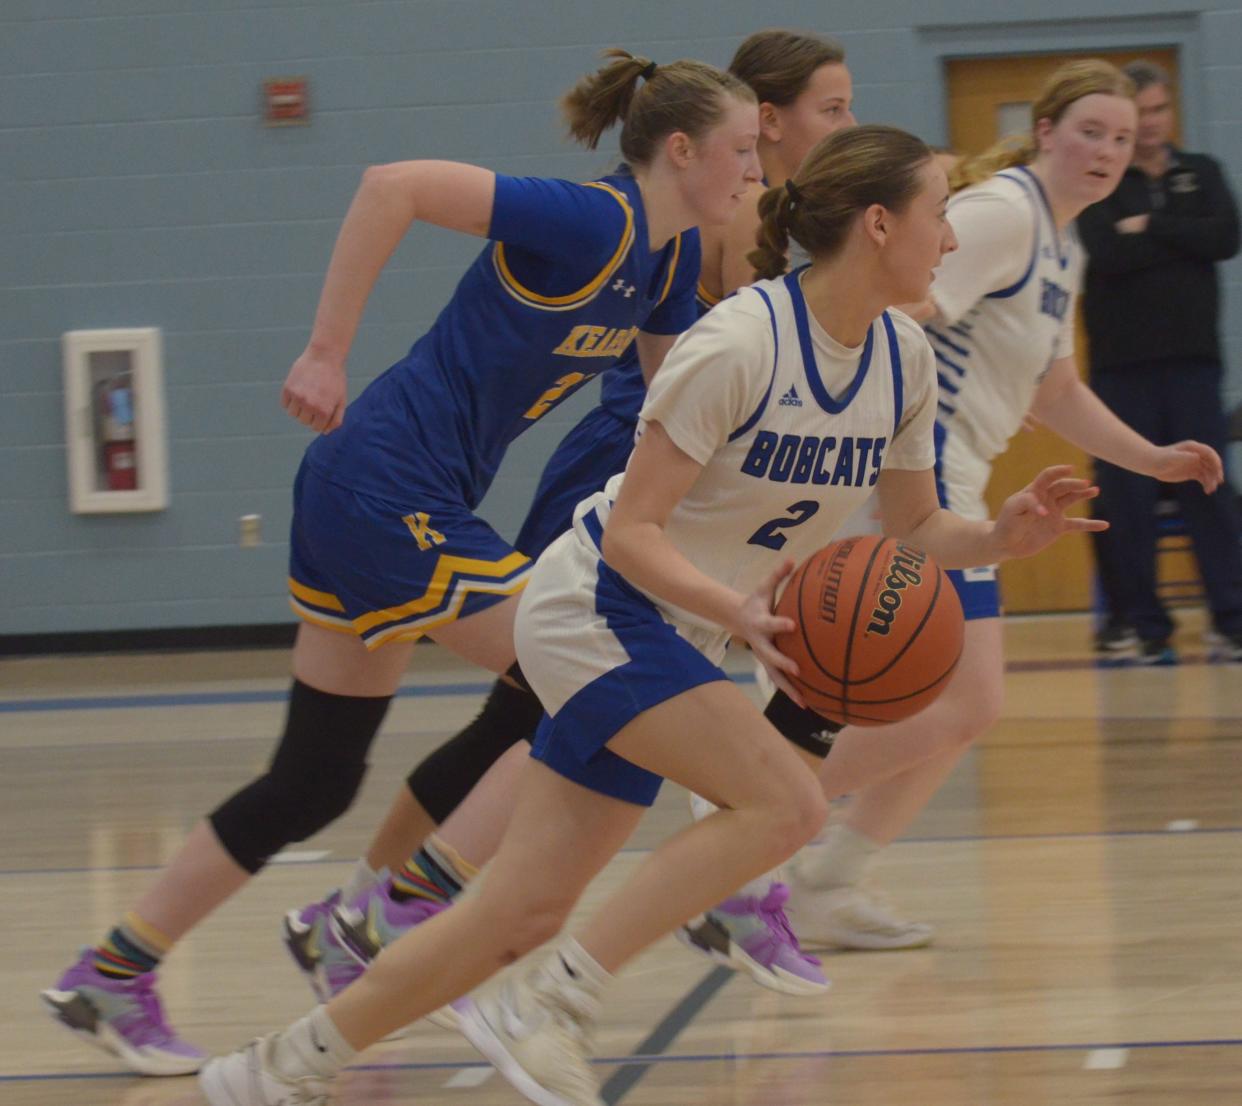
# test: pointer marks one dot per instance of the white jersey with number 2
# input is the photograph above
(792, 430)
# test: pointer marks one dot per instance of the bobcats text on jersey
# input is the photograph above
(812, 459)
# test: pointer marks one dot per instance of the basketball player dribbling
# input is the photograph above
(805, 93)
(625, 620)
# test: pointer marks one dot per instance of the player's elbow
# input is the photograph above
(619, 544)
(910, 526)
(389, 180)
(375, 177)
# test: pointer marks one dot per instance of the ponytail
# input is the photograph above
(686, 96)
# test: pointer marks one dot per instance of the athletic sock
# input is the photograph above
(840, 860)
(132, 948)
(312, 1046)
(436, 872)
(362, 877)
(574, 967)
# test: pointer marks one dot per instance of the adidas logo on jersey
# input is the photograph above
(790, 398)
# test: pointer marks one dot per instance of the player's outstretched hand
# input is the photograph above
(1034, 518)
(758, 626)
(1189, 461)
(314, 391)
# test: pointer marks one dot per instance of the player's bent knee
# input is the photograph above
(798, 818)
(280, 808)
(978, 715)
(314, 775)
(534, 925)
(446, 777)
(963, 715)
(810, 812)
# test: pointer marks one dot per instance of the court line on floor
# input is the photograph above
(408, 691)
(626, 1077)
(964, 839)
(725, 1057)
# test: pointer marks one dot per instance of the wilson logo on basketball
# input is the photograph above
(903, 572)
(830, 590)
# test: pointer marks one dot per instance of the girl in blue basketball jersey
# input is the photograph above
(1000, 320)
(627, 616)
(805, 93)
(385, 545)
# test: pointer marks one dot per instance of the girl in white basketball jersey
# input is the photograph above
(805, 91)
(774, 417)
(1000, 319)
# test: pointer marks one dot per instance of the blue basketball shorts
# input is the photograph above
(961, 478)
(594, 450)
(598, 654)
(392, 571)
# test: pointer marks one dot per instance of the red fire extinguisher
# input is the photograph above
(120, 455)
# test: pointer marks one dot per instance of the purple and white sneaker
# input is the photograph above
(753, 935)
(121, 1016)
(317, 950)
(374, 920)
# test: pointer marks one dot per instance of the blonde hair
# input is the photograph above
(1065, 87)
(683, 95)
(842, 176)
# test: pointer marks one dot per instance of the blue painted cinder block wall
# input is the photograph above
(139, 189)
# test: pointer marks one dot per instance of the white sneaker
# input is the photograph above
(537, 1033)
(247, 1078)
(849, 918)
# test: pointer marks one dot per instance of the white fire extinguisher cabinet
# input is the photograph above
(114, 420)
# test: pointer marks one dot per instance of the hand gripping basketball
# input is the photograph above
(759, 626)
(878, 630)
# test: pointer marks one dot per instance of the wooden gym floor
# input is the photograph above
(1082, 868)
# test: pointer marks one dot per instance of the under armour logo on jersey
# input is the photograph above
(790, 398)
(619, 285)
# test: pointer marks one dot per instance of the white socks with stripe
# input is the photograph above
(312, 1046)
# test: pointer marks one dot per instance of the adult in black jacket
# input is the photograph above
(1151, 305)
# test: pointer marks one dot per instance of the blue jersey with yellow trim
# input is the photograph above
(555, 298)
(623, 390)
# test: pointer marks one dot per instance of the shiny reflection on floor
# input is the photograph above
(1082, 868)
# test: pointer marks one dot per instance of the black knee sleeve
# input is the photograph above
(514, 675)
(447, 776)
(312, 779)
(801, 725)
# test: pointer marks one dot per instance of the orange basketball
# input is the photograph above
(879, 630)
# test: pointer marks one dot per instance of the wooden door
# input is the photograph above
(988, 98)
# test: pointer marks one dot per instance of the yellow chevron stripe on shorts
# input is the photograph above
(319, 608)
(453, 580)
(588, 292)
(317, 618)
(323, 599)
